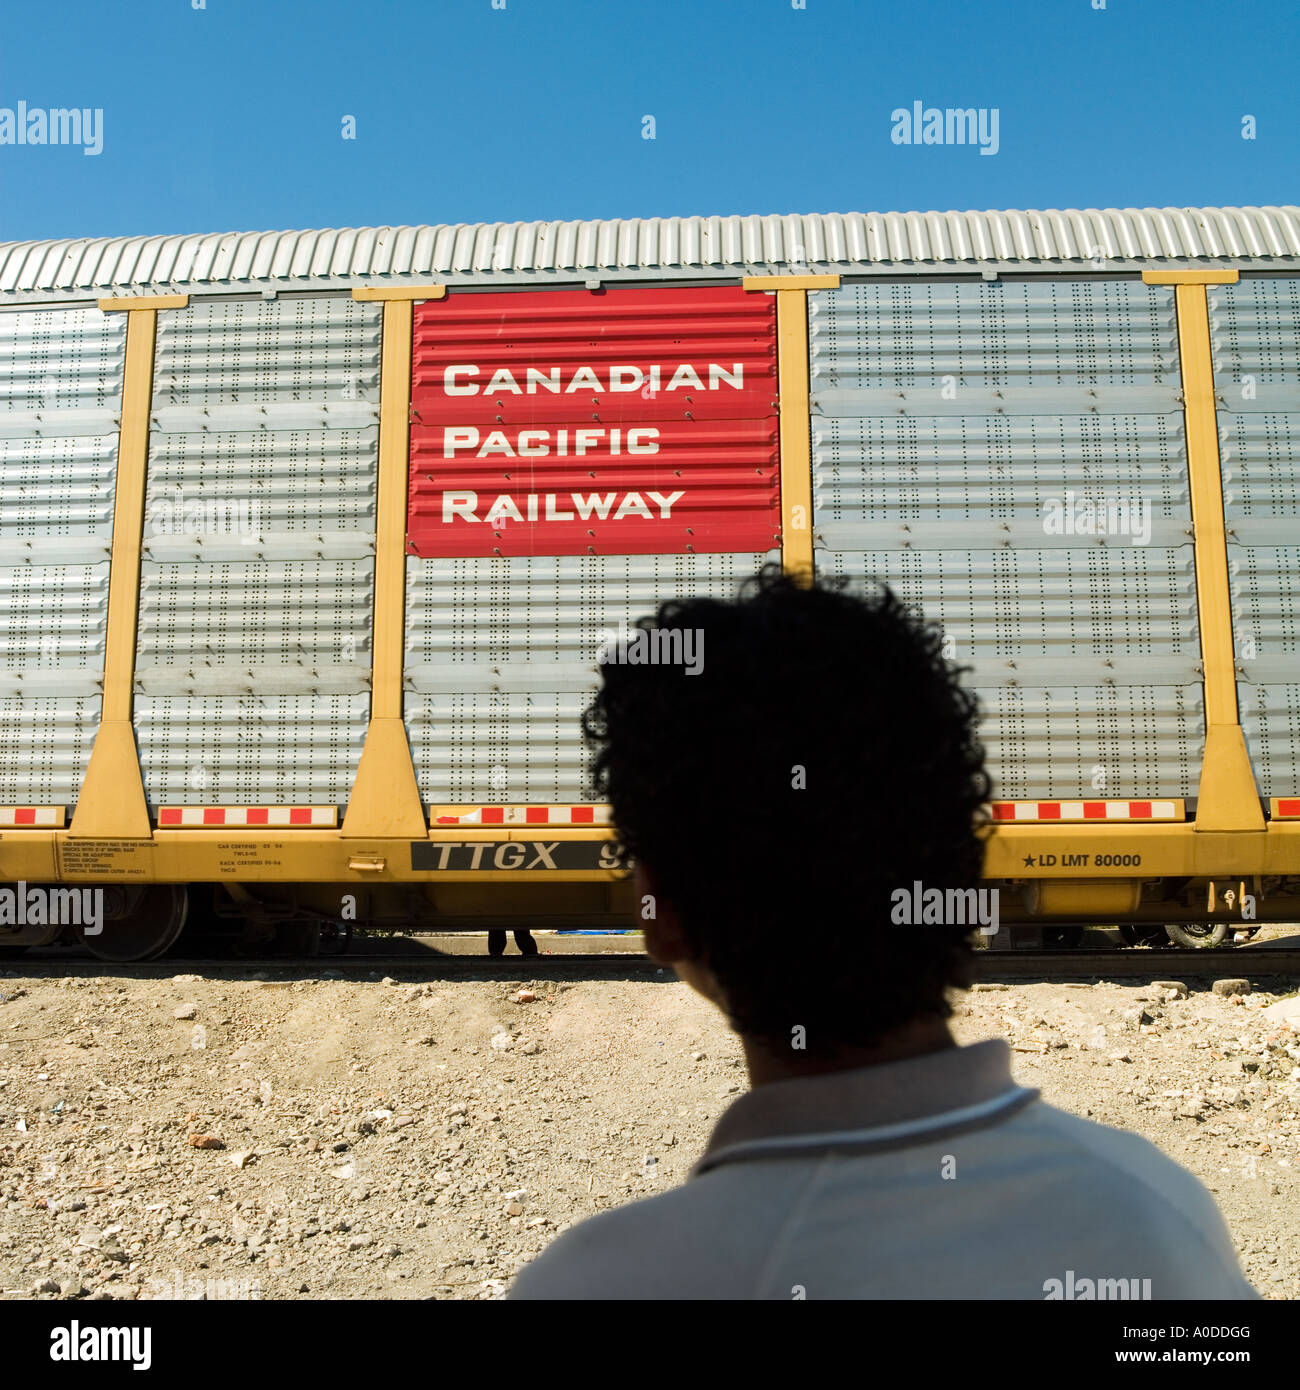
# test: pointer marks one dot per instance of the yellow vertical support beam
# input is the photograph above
(111, 804)
(795, 426)
(385, 800)
(1228, 798)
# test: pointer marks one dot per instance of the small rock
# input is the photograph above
(502, 1042)
(514, 1208)
(185, 1011)
(530, 1048)
(47, 1286)
(525, 996)
(1176, 988)
(985, 987)
(206, 1141)
(1231, 986)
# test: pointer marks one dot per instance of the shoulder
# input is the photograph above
(1144, 1189)
(679, 1244)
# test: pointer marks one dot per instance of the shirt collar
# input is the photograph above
(886, 1106)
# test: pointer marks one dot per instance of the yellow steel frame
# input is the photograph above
(385, 800)
(792, 385)
(1227, 800)
(111, 802)
(110, 838)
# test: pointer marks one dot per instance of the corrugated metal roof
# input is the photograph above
(658, 248)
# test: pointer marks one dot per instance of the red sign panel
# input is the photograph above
(620, 422)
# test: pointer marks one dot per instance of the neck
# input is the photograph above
(779, 1063)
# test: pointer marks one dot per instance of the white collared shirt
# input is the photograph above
(936, 1177)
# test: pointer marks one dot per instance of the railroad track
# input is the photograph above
(1253, 963)
(1169, 963)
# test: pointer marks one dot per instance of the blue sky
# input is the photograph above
(230, 117)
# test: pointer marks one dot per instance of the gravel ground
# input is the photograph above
(230, 1136)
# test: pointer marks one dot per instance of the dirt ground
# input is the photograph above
(302, 1135)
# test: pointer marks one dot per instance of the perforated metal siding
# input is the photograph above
(1255, 335)
(953, 425)
(60, 394)
(501, 660)
(257, 580)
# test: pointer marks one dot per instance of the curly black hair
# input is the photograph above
(823, 757)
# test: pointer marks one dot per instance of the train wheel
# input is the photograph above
(1196, 935)
(149, 922)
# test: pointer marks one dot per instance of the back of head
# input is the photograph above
(821, 757)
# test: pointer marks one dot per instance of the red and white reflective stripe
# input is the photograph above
(33, 817)
(1086, 810)
(524, 815)
(280, 817)
(1286, 808)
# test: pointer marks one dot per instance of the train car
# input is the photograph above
(310, 542)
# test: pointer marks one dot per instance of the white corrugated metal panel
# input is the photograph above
(1111, 741)
(1010, 458)
(263, 749)
(501, 660)
(60, 394)
(660, 247)
(299, 616)
(1255, 332)
(257, 579)
(315, 350)
(58, 486)
(1270, 717)
(61, 359)
(45, 744)
(939, 339)
(54, 617)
